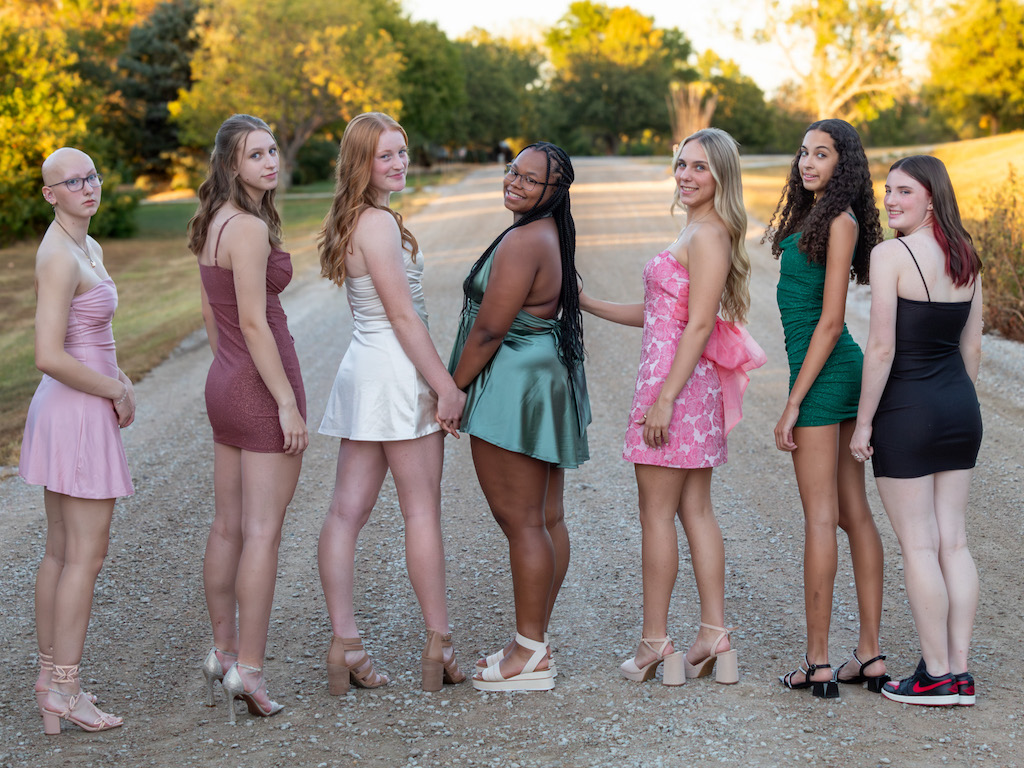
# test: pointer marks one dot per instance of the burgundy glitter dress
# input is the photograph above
(241, 409)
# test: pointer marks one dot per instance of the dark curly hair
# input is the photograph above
(570, 320)
(849, 187)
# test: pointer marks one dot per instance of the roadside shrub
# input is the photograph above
(315, 161)
(998, 232)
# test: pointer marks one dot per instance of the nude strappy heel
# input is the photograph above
(727, 672)
(98, 721)
(437, 672)
(672, 674)
(360, 673)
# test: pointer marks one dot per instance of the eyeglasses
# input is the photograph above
(93, 180)
(528, 184)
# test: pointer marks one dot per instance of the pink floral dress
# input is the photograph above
(709, 404)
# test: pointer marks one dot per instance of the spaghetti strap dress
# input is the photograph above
(378, 394)
(72, 443)
(835, 393)
(241, 409)
(928, 418)
(525, 399)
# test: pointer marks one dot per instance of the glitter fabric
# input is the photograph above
(242, 411)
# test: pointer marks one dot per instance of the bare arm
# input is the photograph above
(57, 279)
(379, 242)
(709, 253)
(623, 314)
(970, 338)
(515, 266)
(249, 251)
(841, 242)
(208, 319)
(881, 346)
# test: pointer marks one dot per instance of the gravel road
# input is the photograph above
(149, 630)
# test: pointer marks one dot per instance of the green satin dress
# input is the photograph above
(525, 399)
(834, 395)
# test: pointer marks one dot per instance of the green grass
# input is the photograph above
(158, 290)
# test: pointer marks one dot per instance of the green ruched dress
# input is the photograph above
(834, 395)
(525, 399)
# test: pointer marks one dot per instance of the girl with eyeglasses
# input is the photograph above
(72, 444)
(518, 355)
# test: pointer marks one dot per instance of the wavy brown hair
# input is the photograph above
(962, 261)
(353, 193)
(222, 184)
(724, 164)
(850, 187)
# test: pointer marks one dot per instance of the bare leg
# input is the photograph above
(660, 490)
(554, 520)
(268, 484)
(958, 569)
(815, 463)
(416, 468)
(224, 547)
(47, 578)
(707, 553)
(362, 467)
(86, 525)
(856, 520)
(516, 486)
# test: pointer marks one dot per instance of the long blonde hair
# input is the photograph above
(223, 185)
(724, 164)
(353, 194)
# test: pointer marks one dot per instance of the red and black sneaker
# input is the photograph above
(965, 689)
(923, 689)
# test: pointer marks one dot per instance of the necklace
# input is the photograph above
(84, 249)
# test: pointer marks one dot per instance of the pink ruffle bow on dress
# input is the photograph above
(734, 352)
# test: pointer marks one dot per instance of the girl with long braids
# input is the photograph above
(519, 357)
(689, 390)
(823, 230)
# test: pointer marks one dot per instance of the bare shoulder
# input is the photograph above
(246, 225)
(531, 241)
(844, 224)
(711, 235)
(374, 223)
(55, 256)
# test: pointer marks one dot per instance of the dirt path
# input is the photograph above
(149, 630)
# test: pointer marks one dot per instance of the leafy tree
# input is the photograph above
(613, 70)
(302, 65)
(155, 66)
(499, 79)
(740, 104)
(37, 115)
(849, 49)
(431, 84)
(978, 71)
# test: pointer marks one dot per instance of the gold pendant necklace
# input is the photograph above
(84, 249)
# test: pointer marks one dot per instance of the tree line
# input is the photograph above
(143, 84)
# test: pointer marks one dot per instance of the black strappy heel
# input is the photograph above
(873, 684)
(823, 689)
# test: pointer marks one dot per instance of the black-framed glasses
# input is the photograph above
(93, 180)
(528, 184)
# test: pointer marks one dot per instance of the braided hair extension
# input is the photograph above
(799, 210)
(556, 206)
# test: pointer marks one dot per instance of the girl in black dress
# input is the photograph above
(919, 417)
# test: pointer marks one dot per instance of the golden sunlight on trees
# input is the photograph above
(845, 53)
(301, 65)
(978, 69)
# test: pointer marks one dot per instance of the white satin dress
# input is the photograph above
(378, 395)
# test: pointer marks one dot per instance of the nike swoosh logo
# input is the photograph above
(918, 688)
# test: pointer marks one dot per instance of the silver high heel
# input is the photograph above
(234, 688)
(213, 670)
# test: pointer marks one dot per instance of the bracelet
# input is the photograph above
(123, 397)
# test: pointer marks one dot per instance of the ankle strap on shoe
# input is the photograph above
(65, 674)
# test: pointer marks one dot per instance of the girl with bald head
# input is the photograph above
(72, 444)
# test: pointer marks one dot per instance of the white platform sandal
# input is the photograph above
(497, 656)
(530, 679)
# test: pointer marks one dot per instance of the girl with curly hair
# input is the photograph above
(519, 357)
(390, 400)
(689, 389)
(823, 230)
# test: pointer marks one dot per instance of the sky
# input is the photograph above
(706, 23)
